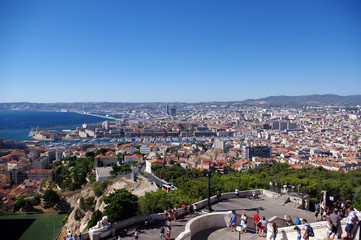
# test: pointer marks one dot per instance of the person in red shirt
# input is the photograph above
(256, 221)
(168, 232)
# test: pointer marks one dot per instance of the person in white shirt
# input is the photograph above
(244, 223)
(69, 235)
(263, 226)
(350, 220)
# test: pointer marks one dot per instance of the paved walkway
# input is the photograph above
(267, 207)
(226, 234)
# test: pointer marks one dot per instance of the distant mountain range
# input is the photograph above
(308, 100)
(316, 99)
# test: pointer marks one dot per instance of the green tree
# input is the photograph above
(100, 163)
(96, 216)
(357, 197)
(90, 154)
(86, 204)
(120, 205)
(102, 151)
(23, 204)
(51, 198)
(37, 199)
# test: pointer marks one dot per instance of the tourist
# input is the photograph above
(343, 206)
(289, 221)
(270, 185)
(262, 227)
(274, 232)
(195, 209)
(350, 221)
(169, 232)
(169, 218)
(244, 219)
(253, 195)
(191, 210)
(324, 215)
(329, 229)
(236, 192)
(175, 212)
(328, 212)
(305, 234)
(75, 237)
(219, 196)
(297, 221)
(256, 221)
(136, 234)
(80, 236)
(276, 182)
(316, 215)
(69, 236)
(165, 214)
(185, 208)
(299, 235)
(119, 237)
(339, 227)
(232, 220)
(336, 221)
(162, 233)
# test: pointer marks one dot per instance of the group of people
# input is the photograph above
(165, 235)
(170, 215)
(334, 223)
(333, 219)
(304, 232)
(259, 222)
(70, 236)
(191, 209)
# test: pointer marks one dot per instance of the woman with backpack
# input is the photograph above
(274, 232)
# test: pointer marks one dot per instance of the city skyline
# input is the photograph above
(153, 51)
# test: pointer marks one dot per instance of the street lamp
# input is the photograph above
(209, 209)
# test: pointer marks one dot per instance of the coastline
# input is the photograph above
(22, 133)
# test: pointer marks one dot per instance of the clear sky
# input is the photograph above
(185, 50)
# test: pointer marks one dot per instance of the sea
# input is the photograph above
(17, 124)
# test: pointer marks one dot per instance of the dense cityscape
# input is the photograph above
(221, 137)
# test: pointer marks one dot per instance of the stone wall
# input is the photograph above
(319, 228)
(229, 195)
(212, 220)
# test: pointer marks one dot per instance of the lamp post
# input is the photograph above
(209, 209)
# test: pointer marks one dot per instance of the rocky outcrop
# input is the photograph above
(138, 188)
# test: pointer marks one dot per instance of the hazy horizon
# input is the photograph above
(241, 100)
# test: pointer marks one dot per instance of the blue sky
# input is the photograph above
(145, 51)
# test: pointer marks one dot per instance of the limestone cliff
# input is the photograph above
(76, 226)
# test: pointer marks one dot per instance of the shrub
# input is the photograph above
(65, 218)
(96, 216)
(99, 187)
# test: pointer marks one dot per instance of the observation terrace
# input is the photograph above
(206, 226)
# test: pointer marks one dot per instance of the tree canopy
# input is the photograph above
(51, 198)
(192, 184)
(120, 205)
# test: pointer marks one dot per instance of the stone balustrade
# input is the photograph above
(200, 223)
(319, 228)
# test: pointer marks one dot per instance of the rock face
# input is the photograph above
(138, 188)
